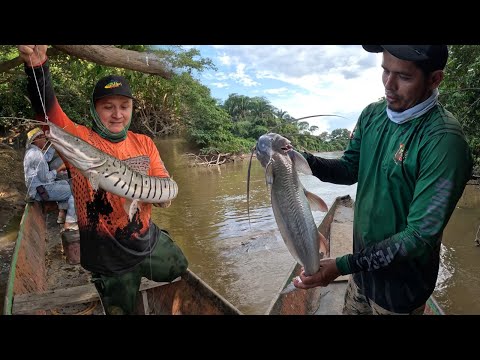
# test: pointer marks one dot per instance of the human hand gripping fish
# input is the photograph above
(325, 275)
(292, 204)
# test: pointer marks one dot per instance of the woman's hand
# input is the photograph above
(33, 55)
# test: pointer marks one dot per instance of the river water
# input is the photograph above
(243, 256)
(458, 283)
(247, 262)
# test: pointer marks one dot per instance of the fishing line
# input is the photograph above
(44, 150)
(39, 94)
(248, 186)
(477, 239)
(305, 117)
(253, 150)
(35, 173)
(36, 84)
(124, 131)
(42, 103)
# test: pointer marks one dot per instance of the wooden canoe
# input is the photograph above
(337, 227)
(38, 256)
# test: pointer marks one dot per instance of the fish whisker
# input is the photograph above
(248, 185)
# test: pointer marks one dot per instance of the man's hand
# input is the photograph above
(62, 167)
(325, 275)
(33, 55)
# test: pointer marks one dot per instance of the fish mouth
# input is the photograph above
(286, 148)
(77, 158)
(269, 143)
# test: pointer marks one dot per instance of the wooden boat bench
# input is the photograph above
(47, 206)
(51, 299)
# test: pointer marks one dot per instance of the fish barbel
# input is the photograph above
(109, 173)
(292, 204)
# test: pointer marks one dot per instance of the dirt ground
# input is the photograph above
(12, 204)
(12, 184)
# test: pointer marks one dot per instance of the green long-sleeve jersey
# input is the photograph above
(410, 177)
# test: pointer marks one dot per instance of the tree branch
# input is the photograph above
(10, 64)
(107, 55)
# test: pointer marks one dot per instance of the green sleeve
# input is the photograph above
(445, 167)
(339, 171)
(342, 265)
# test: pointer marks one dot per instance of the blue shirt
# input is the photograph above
(35, 166)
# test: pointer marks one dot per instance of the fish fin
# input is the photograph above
(324, 246)
(94, 179)
(140, 164)
(316, 202)
(290, 287)
(269, 174)
(130, 208)
(301, 164)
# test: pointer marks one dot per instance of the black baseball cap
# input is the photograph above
(433, 56)
(112, 85)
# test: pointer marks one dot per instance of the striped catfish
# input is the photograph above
(292, 204)
(109, 173)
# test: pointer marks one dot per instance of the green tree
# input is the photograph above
(313, 128)
(303, 126)
(460, 92)
(324, 136)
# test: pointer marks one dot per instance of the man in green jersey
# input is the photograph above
(412, 162)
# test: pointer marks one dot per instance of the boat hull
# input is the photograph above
(329, 300)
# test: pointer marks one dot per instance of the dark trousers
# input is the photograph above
(119, 292)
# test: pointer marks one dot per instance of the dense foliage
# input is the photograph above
(183, 106)
(460, 93)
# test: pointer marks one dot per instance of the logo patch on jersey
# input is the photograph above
(400, 155)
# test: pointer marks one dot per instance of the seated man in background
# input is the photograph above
(41, 183)
(54, 162)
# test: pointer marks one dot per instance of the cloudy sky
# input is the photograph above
(302, 80)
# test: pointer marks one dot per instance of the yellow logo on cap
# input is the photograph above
(113, 84)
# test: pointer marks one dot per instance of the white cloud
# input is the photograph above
(332, 94)
(300, 79)
(225, 60)
(242, 77)
(277, 91)
(220, 84)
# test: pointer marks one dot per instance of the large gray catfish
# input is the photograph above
(292, 204)
(111, 174)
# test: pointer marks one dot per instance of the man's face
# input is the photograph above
(405, 83)
(114, 111)
(40, 141)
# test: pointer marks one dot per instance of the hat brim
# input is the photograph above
(402, 52)
(107, 95)
(373, 48)
(35, 136)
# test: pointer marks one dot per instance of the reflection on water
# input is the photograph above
(247, 261)
(458, 285)
(242, 257)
